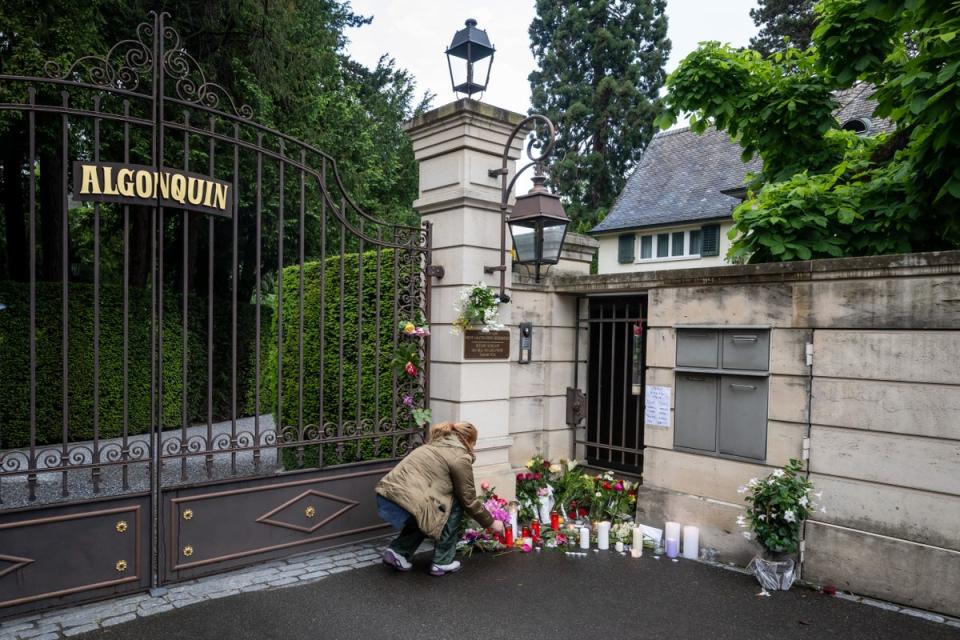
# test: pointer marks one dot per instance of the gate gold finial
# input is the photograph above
(121, 566)
(310, 511)
(188, 514)
(187, 551)
(121, 526)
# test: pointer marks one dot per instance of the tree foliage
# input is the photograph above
(601, 66)
(824, 192)
(783, 24)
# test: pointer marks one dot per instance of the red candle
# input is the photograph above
(508, 535)
(535, 526)
(555, 521)
(526, 532)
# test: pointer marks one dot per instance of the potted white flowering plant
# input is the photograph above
(777, 507)
(477, 306)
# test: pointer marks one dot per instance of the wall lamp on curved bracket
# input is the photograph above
(538, 223)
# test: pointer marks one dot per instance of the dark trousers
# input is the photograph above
(445, 548)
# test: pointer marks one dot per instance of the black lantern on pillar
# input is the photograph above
(538, 225)
(470, 45)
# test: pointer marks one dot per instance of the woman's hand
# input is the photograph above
(497, 526)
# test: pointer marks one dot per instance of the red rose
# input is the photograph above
(519, 477)
(537, 476)
(607, 486)
(529, 476)
(411, 369)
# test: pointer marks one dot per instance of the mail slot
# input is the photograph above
(746, 349)
(743, 416)
(695, 416)
(697, 348)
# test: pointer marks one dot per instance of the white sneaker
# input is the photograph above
(396, 560)
(443, 569)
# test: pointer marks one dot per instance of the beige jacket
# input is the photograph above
(427, 481)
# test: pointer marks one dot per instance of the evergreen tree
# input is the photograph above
(601, 66)
(782, 23)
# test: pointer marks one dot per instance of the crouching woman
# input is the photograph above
(426, 495)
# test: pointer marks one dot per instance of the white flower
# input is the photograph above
(748, 535)
(554, 468)
(778, 473)
(742, 489)
(752, 482)
(789, 516)
(571, 465)
(771, 481)
(598, 494)
(741, 521)
(818, 495)
(761, 516)
(803, 501)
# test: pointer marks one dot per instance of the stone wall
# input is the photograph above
(879, 411)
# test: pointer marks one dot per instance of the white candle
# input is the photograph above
(584, 537)
(603, 536)
(691, 542)
(672, 530)
(637, 547)
(514, 523)
(619, 546)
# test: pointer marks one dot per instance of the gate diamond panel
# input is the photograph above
(308, 511)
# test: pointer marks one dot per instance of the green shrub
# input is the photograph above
(372, 400)
(15, 356)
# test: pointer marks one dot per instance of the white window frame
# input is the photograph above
(652, 234)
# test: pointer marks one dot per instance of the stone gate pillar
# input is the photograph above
(455, 146)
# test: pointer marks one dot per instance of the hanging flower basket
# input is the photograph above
(477, 306)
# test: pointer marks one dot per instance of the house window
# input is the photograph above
(676, 244)
(677, 247)
(646, 247)
(663, 245)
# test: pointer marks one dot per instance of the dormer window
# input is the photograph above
(860, 126)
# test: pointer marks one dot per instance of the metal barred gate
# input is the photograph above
(202, 388)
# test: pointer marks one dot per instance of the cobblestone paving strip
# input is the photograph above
(277, 574)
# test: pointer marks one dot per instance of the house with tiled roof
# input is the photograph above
(676, 208)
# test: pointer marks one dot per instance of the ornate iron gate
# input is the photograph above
(202, 388)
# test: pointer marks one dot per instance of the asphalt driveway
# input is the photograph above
(540, 595)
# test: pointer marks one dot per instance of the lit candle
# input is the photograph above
(584, 537)
(637, 548)
(603, 536)
(535, 528)
(555, 521)
(672, 530)
(691, 542)
(508, 535)
(514, 522)
(673, 547)
(525, 533)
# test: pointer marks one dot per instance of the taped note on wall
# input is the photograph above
(656, 411)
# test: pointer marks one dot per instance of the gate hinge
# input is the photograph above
(436, 271)
(805, 453)
(576, 406)
(809, 351)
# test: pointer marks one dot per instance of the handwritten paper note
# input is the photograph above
(657, 406)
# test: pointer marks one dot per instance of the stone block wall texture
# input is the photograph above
(880, 406)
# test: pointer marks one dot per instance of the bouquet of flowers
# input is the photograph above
(477, 306)
(473, 536)
(613, 499)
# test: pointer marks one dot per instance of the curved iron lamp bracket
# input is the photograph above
(537, 153)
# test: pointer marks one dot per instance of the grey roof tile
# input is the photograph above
(681, 174)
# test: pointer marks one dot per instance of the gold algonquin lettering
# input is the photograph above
(144, 183)
(178, 188)
(195, 190)
(109, 188)
(220, 201)
(163, 182)
(125, 182)
(208, 195)
(90, 182)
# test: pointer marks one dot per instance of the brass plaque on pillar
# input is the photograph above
(486, 345)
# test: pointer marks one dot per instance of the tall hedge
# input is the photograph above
(15, 356)
(376, 348)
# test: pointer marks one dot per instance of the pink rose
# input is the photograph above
(484, 486)
(526, 548)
